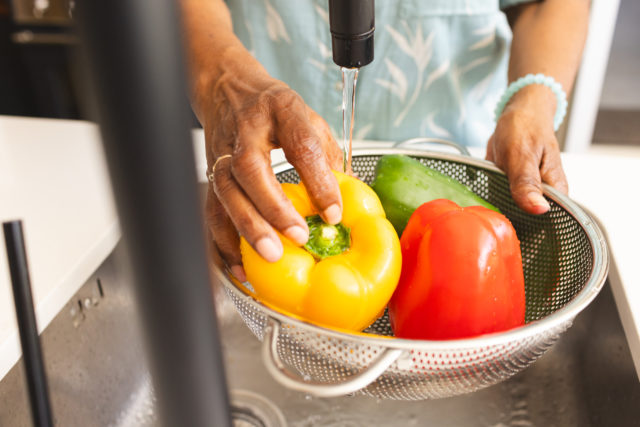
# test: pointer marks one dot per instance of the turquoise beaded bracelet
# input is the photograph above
(540, 79)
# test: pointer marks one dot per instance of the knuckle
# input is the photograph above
(308, 148)
(251, 226)
(216, 218)
(244, 161)
(227, 245)
(557, 179)
(521, 156)
(222, 184)
(229, 251)
(525, 180)
(279, 215)
(520, 148)
(523, 184)
(223, 234)
(551, 161)
(253, 116)
(245, 225)
(282, 98)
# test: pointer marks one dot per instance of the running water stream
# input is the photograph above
(349, 80)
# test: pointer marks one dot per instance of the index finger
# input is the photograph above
(252, 170)
(552, 172)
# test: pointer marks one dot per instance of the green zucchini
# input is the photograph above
(403, 184)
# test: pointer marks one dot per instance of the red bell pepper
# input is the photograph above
(461, 274)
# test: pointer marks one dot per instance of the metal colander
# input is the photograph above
(565, 264)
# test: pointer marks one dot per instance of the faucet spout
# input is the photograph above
(352, 23)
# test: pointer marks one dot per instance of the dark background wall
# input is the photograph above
(36, 72)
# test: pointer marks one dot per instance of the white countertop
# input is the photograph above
(605, 181)
(53, 177)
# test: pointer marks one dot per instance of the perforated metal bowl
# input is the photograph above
(565, 264)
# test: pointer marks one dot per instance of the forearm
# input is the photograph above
(548, 38)
(213, 51)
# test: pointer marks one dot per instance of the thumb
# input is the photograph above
(526, 185)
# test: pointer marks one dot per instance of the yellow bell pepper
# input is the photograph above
(345, 274)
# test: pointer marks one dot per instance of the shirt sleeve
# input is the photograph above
(505, 4)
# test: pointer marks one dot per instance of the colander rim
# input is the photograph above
(561, 316)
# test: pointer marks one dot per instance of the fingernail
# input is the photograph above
(268, 249)
(536, 199)
(238, 273)
(297, 234)
(333, 214)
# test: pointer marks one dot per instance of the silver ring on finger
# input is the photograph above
(210, 175)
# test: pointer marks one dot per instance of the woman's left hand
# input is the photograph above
(525, 147)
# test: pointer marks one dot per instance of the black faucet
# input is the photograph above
(352, 23)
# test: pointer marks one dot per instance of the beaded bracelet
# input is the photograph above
(540, 79)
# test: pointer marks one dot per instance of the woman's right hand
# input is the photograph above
(244, 118)
(245, 114)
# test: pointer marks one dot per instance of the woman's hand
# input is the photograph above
(525, 147)
(548, 38)
(244, 119)
(245, 114)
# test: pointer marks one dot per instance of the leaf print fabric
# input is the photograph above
(420, 50)
(439, 67)
(275, 27)
(398, 84)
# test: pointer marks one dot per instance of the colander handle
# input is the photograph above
(421, 140)
(294, 381)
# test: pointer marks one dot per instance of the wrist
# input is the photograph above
(536, 100)
(231, 65)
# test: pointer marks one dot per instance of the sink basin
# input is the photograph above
(98, 375)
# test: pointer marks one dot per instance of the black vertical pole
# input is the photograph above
(134, 55)
(31, 353)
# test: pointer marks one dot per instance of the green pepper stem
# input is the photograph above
(326, 240)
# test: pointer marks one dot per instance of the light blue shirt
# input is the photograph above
(439, 68)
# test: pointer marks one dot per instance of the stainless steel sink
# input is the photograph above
(98, 375)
